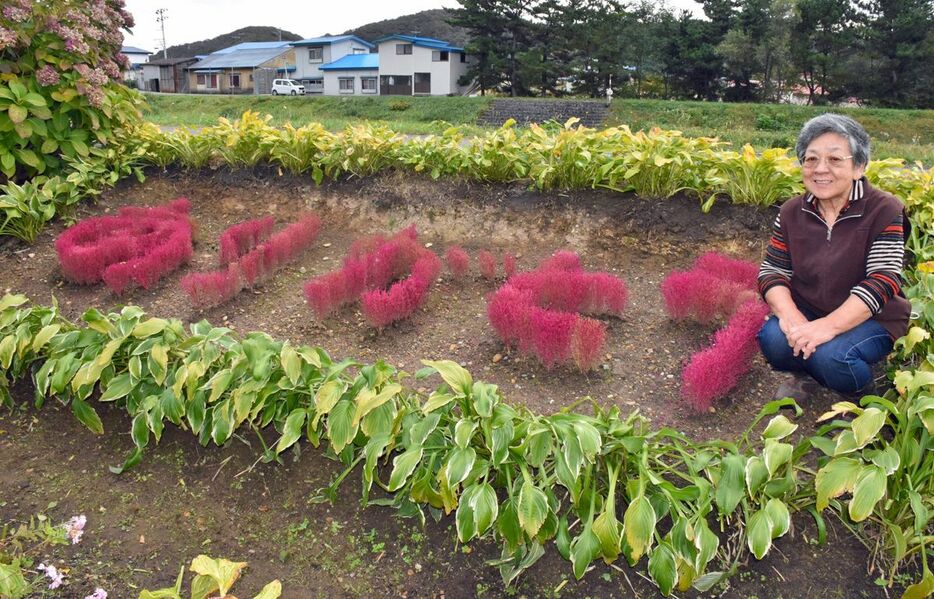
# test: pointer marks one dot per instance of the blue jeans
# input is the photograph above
(843, 364)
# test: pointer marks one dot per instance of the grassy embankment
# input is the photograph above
(905, 134)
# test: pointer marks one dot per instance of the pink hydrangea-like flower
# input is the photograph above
(95, 97)
(17, 14)
(77, 46)
(98, 593)
(52, 574)
(47, 76)
(112, 70)
(75, 528)
(7, 38)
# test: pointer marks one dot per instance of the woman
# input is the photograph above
(832, 271)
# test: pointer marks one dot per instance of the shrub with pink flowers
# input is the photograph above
(539, 312)
(389, 276)
(487, 264)
(247, 260)
(717, 287)
(137, 246)
(60, 92)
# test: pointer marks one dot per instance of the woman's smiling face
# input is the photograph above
(828, 168)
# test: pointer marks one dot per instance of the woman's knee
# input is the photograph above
(838, 369)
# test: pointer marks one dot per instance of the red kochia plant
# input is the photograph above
(487, 263)
(138, 245)
(537, 311)
(458, 261)
(713, 372)
(714, 288)
(241, 238)
(371, 273)
(717, 287)
(509, 265)
(254, 266)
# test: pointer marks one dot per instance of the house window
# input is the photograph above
(345, 85)
(463, 57)
(368, 85)
(235, 80)
(439, 56)
(403, 48)
(315, 55)
(361, 51)
(212, 82)
(315, 85)
(422, 83)
(201, 79)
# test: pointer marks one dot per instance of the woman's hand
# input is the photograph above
(789, 320)
(806, 337)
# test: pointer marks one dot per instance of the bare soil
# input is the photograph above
(184, 499)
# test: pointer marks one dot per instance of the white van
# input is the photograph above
(289, 87)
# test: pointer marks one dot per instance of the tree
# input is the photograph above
(821, 40)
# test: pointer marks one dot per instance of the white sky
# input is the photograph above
(196, 20)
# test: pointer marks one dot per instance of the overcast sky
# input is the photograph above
(196, 20)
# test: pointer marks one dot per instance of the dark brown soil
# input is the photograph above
(184, 500)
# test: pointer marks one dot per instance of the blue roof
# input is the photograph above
(245, 58)
(353, 62)
(133, 50)
(251, 46)
(331, 39)
(425, 42)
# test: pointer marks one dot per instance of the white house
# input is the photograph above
(135, 57)
(410, 65)
(354, 74)
(314, 53)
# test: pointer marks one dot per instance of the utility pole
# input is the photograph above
(160, 18)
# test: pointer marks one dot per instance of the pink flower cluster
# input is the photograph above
(458, 261)
(248, 259)
(539, 311)
(139, 245)
(713, 289)
(717, 287)
(391, 277)
(53, 574)
(74, 528)
(714, 371)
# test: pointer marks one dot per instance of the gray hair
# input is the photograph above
(854, 133)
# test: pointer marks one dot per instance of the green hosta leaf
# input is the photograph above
(7, 349)
(731, 487)
(203, 587)
(589, 439)
(835, 478)
(457, 378)
(341, 429)
(224, 572)
(532, 508)
(921, 512)
(424, 427)
(779, 427)
(464, 518)
(756, 474)
(887, 459)
(584, 549)
(639, 526)
(607, 529)
(460, 462)
(539, 446)
(920, 590)
(868, 490)
(779, 516)
(563, 538)
(292, 429)
(866, 425)
(663, 568)
(87, 415)
(120, 386)
(706, 543)
(707, 581)
(368, 400)
(436, 401)
(150, 327)
(326, 398)
(43, 336)
(402, 467)
(273, 590)
(463, 431)
(291, 363)
(759, 533)
(485, 508)
(775, 454)
(159, 357)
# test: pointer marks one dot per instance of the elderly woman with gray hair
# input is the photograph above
(832, 271)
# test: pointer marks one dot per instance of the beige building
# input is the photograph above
(246, 68)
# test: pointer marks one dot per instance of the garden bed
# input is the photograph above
(184, 499)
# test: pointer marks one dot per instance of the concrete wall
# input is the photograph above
(332, 52)
(332, 85)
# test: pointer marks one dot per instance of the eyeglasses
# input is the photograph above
(811, 162)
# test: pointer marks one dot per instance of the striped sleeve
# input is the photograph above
(883, 267)
(776, 268)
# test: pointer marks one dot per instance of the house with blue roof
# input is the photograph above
(313, 54)
(420, 66)
(245, 68)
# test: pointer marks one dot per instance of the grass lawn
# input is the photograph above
(905, 134)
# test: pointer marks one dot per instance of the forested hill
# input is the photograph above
(246, 34)
(428, 23)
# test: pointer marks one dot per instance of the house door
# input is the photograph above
(395, 85)
(422, 83)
